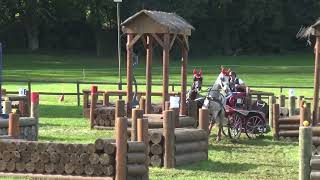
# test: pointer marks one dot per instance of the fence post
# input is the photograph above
(121, 148)
(272, 100)
(120, 108)
(172, 88)
(34, 110)
(13, 127)
(142, 104)
(136, 114)
(169, 139)
(302, 112)
(275, 118)
(120, 88)
(305, 146)
(78, 93)
(282, 100)
(94, 98)
(292, 105)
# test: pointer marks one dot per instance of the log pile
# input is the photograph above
(105, 116)
(155, 147)
(289, 127)
(57, 158)
(136, 158)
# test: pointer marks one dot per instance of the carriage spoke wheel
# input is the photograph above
(225, 130)
(235, 126)
(255, 126)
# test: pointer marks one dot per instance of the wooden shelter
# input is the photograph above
(155, 27)
(314, 30)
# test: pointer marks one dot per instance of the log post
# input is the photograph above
(165, 70)
(34, 110)
(169, 139)
(302, 112)
(28, 103)
(272, 100)
(85, 99)
(22, 108)
(305, 148)
(308, 113)
(176, 115)
(204, 119)
(129, 74)
(292, 105)
(94, 98)
(276, 114)
(142, 104)
(14, 128)
(184, 60)
(121, 148)
(136, 113)
(7, 108)
(300, 99)
(148, 108)
(316, 81)
(143, 137)
(106, 99)
(120, 108)
(282, 100)
(193, 110)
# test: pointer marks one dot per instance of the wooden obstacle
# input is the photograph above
(288, 127)
(114, 158)
(20, 103)
(23, 127)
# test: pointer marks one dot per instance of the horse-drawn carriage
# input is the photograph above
(231, 111)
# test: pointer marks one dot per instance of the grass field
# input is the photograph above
(244, 159)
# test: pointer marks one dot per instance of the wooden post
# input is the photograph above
(292, 105)
(28, 103)
(129, 74)
(316, 81)
(22, 108)
(305, 148)
(302, 112)
(276, 114)
(106, 99)
(176, 115)
(34, 110)
(85, 99)
(166, 105)
(282, 100)
(142, 104)
(308, 113)
(7, 108)
(248, 98)
(94, 98)
(78, 93)
(272, 100)
(14, 128)
(169, 139)
(136, 113)
(121, 148)
(120, 108)
(143, 137)
(193, 110)
(184, 60)
(148, 108)
(165, 70)
(204, 119)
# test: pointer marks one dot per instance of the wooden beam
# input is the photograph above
(129, 74)
(186, 41)
(134, 40)
(149, 56)
(172, 41)
(316, 82)
(144, 41)
(165, 69)
(184, 61)
(157, 38)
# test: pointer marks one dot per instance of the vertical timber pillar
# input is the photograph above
(305, 148)
(183, 81)
(276, 114)
(94, 98)
(292, 105)
(34, 110)
(120, 108)
(165, 70)
(129, 74)
(136, 114)
(169, 139)
(13, 127)
(148, 108)
(282, 100)
(302, 112)
(121, 148)
(316, 82)
(143, 137)
(272, 100)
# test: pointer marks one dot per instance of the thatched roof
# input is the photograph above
(162, 22)
(305, 32)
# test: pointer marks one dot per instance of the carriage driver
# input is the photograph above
(236, 84)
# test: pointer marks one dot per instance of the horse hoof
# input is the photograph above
(218, 139)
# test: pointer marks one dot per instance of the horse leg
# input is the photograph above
(210, 127)
(219, 134)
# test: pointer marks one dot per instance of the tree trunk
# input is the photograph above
(99, 40)
(33, 37)
(31, 24)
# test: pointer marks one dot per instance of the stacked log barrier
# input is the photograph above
(94, 95)
(21, 103)
(105, 158)
(156, 147)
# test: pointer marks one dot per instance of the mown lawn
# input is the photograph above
(244, 159)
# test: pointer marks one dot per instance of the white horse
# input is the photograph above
(215, 102)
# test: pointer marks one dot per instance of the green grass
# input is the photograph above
(244, 159)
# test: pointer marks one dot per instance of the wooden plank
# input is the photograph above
(134, 40)
(157, 38)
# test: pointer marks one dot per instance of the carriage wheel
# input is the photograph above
(255, 126)
(235, 126)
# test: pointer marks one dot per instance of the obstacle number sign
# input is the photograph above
(22, 92)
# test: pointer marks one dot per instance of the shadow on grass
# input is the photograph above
(63, 138)
(56, 111)
(217, 166)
